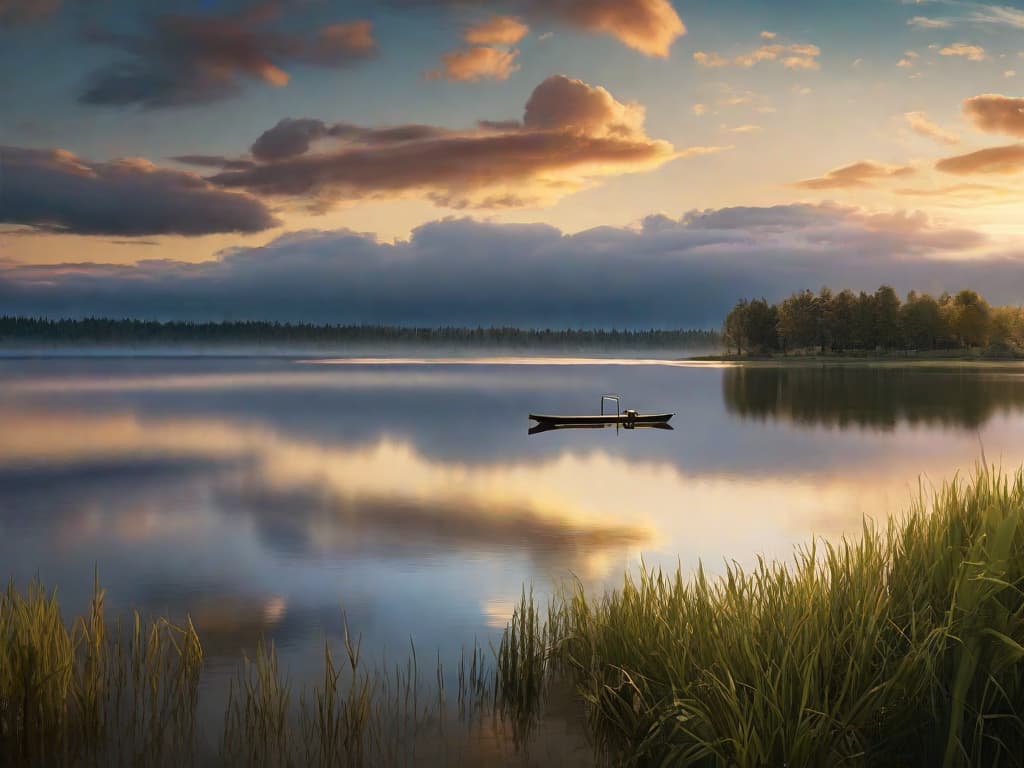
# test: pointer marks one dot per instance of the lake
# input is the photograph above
(265, 496)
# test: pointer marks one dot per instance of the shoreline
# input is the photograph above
(796, 361)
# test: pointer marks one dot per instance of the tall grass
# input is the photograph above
(98, 693)
(94, 693)
(902, 646)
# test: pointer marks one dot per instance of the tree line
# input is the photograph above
(29, 330)
(848, 321)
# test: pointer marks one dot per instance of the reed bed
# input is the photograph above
(903, 646)
(95, 693)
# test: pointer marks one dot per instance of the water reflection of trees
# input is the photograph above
(870, 398)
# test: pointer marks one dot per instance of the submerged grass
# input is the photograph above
(902, 646)
(94, 693)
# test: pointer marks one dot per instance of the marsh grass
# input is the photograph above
(94, 693)
(903, 646)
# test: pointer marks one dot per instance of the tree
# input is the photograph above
(971, 319)
(734, 329)
(760, 326)
(863, 329)
(799, 320)
(886, 306)
(922, 321)
(841, 316)
(1007, 326)
(825, 323)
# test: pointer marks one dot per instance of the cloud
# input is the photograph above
(213, 161)
(957, 190)
(924, 22)
(975, 13)
(678, 271)
(647, 26)
(858, 174)
(710, 59)
(292, 137)
(288, 138)
(970, 52)
(995, 113)
(571, 134)
(14, 12)
(909, 59)
(748, 128)
(920, 124)
(481, 60)
(997, 160)
(792, 56)
(497, 30)
(1000, 15)
(54, 190)
(195, 59)
(766, 35)
(477, 63)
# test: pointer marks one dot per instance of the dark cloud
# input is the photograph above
(571, 133)
(13, 12)
(859, 174)
(995, 113)
(57, 191)
(998, 160)
(667, 273)
(292, 137)
(213, 161)
(194, 59)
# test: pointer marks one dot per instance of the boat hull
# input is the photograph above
(611, 418)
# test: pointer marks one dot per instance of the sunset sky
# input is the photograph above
(567, 162)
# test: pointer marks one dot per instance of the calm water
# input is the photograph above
(263, 496)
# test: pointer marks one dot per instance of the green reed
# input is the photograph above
(99, 693)
(94, 693)
(902, 646)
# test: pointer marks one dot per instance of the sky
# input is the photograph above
(530, 162)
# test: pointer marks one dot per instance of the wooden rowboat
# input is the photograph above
(625, 419)
(547, 426)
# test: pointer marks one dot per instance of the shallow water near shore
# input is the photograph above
(263, 497)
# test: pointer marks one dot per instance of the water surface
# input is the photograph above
(262, 496)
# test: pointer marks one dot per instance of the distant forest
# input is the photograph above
(848, 321)
(100, 331)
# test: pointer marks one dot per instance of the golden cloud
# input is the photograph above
(497, 30)
(995, 113)
(477, 63)
(792, 56)
(858, 174)
(998, 160)
(921, 125)
(970, 52)
(571, 134)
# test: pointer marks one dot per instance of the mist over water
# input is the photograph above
(263, 495)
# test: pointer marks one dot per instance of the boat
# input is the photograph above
(545, 426)
(628, 418)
